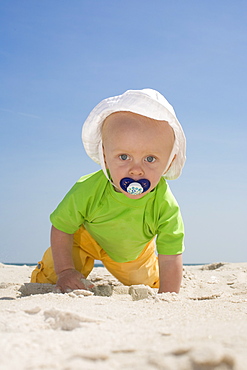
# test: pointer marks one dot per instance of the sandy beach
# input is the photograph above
(118, 327)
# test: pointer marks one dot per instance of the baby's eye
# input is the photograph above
(123, 157)
(150, 159)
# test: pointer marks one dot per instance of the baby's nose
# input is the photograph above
(136, 170)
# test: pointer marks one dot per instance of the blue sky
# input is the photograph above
(58, 59)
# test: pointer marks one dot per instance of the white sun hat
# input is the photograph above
(146, 102)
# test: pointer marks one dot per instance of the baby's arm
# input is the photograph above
(170, 272)
(68, 277)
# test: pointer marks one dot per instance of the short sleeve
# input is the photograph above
(67, 217)
(170, 236)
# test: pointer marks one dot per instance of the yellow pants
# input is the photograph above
(143, 270)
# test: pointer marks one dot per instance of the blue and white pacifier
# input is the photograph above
(135, 187)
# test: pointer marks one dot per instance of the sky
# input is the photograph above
(60, 58)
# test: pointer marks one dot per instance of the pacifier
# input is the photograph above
(134, 187)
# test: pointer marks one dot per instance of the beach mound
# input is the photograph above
(118, 327)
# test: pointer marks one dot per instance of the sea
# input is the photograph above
(96, 264)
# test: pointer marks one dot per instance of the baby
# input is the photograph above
(124, 212)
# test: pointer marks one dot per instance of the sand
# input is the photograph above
(118, 327)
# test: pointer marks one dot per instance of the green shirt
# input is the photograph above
(120, 225)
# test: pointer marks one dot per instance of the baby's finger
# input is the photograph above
(87, 283)
(57, 289)
(68, 290)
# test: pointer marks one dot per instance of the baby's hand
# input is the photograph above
(72, 279)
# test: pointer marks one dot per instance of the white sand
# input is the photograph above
(204, 327)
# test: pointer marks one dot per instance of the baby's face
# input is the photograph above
(136, 147)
